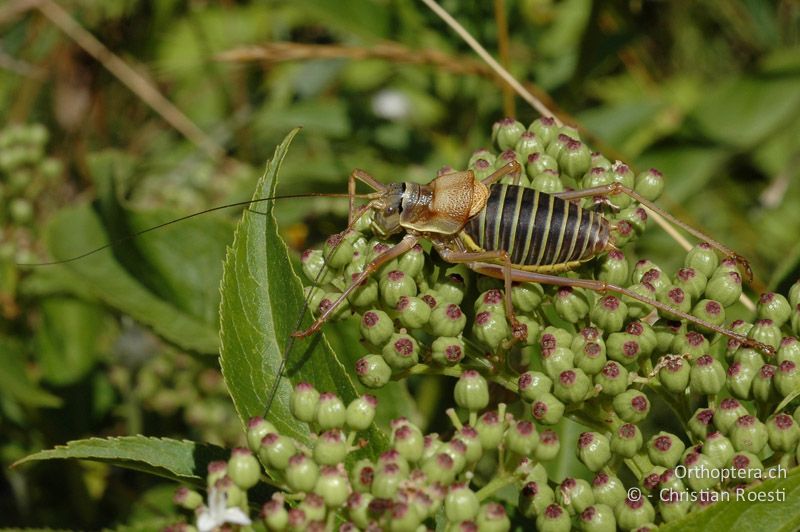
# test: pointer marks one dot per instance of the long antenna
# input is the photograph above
(290, 343)
(187, 217)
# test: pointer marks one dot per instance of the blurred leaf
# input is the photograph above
(319, 117)
(14, 381)
(69, 338)
(777, 516)
(366, 18)
(77, 229)
(183, 461)
(261, 300)
(687, 169)
(743, 112)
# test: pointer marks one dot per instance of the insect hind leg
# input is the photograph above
(618, 188)
(496, 271)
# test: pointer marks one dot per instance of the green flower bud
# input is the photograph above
(747, 356)
(257, 428)
(327, 301)
(728, 412)
(314, 267)
(534, 498)
(481, 153)
(527, 144)
(243, 468)
(710, 311)
(763, 387)
(594, 450)
(313, 295)
(789, 350)
(774, 307)
(537, 163)
(408, 441)
(404, 517)
(552, 337)
(645, 336)
(447, 320)
(665, 449)
(748, 434)
(447, 351)
(547, 409)
(338, 251)
(571, 304)
(276, 450)
(700, 421)
(633, 513)
(622, 173)
(697, 470)
(598, 518)
(358, 509)
(575, 158)
(366, 295)
(623, 347)
(412, 261)
(674, 374)
(394, 285)
(440, 468)
(401, 352)
(274, 514)
(783, 433)
(575, 494)
(301, 473)
(655, 278)
(471, 391)
(591, 358)
(545, 128)
(672, 506)
(548, 182)
(387, 480)
(304, 401)
(506, 133)
(555, 360)
(707, 376)
(313, 506)
(725, 287)
(553, 519)
(787, 378)
(626, 440)
(747, 461)
(691, 343)
(613, 268)
(572, 386)
(452, 286)
(412, 312)
(702, 258)
(187, 499)
(361, 412)
(557, 145)
(718, 448)
(531, 329)
(491, 328)
(650, 184)
(609, 313)
(638, 309)
(376, 327)
(766, 332)
(631, 406)
(597, 176)
(691, 281)
(527, 297)
(331, 412)
(607, 489)
(549, 446)
(794, 294)
(490, 430)
(482, 168)
(361, 475)
(469, 436)
(492, 517)
(373, 371)
(522, 438)
(795, 321)
(740, 379)
(613, 379)
(532, 384)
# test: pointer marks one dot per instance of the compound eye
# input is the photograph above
(389, 211)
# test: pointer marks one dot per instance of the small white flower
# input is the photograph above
(391, 105)
(217, 513)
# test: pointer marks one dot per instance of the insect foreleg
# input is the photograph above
(497, 271)
(408, 242)
(618, 188)
(512, 167)
(364, 177)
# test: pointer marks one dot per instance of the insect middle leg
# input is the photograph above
(499, 272)
(618, 188)
(364, 177)
(408, 242)
(467, 257)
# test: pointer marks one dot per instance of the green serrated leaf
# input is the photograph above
(781, 515)
(183, 461)
(77, 229)
(262, 298)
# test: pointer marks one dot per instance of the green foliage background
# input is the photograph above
(125, 343)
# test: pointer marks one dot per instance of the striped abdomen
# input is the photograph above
(537, 229)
